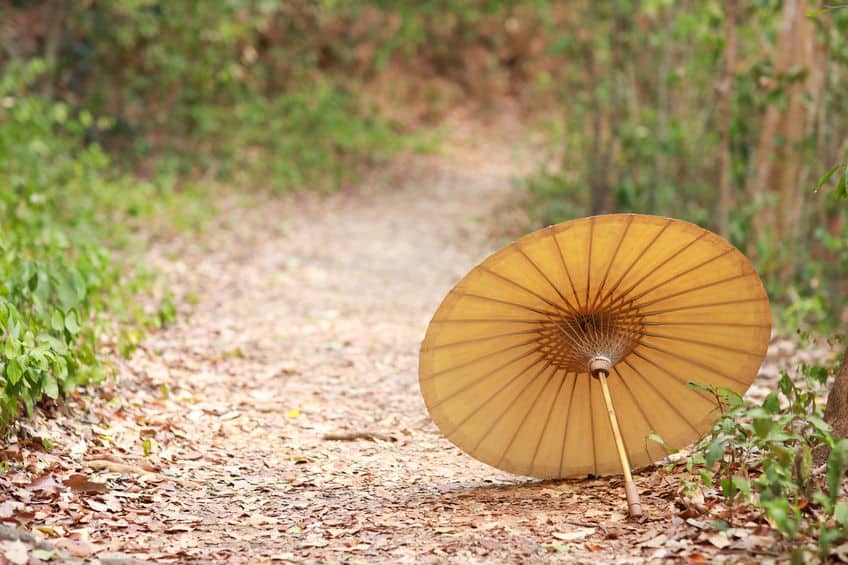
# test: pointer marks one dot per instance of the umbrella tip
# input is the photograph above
(600, 364)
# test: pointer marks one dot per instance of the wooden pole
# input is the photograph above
(600, 368)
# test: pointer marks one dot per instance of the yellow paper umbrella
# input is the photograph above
(527, 355)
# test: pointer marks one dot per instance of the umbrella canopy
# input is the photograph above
(655, 303)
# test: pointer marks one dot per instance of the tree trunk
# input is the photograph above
(836, 410)
(778, 159)
(725, 90)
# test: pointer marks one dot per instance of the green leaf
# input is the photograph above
(715, 452)
(836, 463)
(43, 554)
(772, 403)
(841, 513)
(57, 321)
(54, 344)
(829, 173)
(741, 484)
(12, 347)
(762, 427)
(803, 464)
(784, 516)
(720, 525)
(72, 323)
(13, 371)
(657, 439)
(50, 387)
(819, 424)
(841, 192)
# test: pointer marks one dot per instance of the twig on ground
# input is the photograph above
(353, 436)
(588, 525)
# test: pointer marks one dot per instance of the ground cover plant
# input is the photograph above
(64, 211)
(774, 461)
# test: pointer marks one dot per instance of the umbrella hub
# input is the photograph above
(573, 340)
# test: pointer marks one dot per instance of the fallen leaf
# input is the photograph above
(80, 482)
(655, 542)
(756, 541)
(96, 505)
(360, 546)
(115, 467)
(719, 540)
(316, 542)
(574, 535)
(592, 547)
(841, 552)
(260, 520)
(15, 552)
(8, 508)
(43, 554)
(46, 483)
(49, 530)
(77, 548)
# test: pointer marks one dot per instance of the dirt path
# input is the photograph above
(309, 313)
(309, 324)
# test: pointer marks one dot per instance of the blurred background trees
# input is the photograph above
(722, 112)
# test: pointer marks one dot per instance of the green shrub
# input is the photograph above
(760, 457)
(60, 208)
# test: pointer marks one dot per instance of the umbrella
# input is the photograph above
(559, 355)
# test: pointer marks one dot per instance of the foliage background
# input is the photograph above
(724, 113)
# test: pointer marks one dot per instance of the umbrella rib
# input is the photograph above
(611, 261)
(636, 260)
(704, 343)
(491, 397)
(544, 313)
(548, 280)
(567, 272)
(589, 262)
(680, 274)
(694, 288)
(526, 415)
(580, 338)
(507, 303)
(685, 383)
(717, 324)
(567, 420)
(670, 405)
(705, 305)
(547, 420)
(480, 339)
(487, 355)
(691, 362)
(636, 403)
(522, 287)
(592, 428)
(657, 267)
(510, 405)
(487, 321)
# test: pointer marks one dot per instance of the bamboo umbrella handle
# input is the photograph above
(633, 504)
